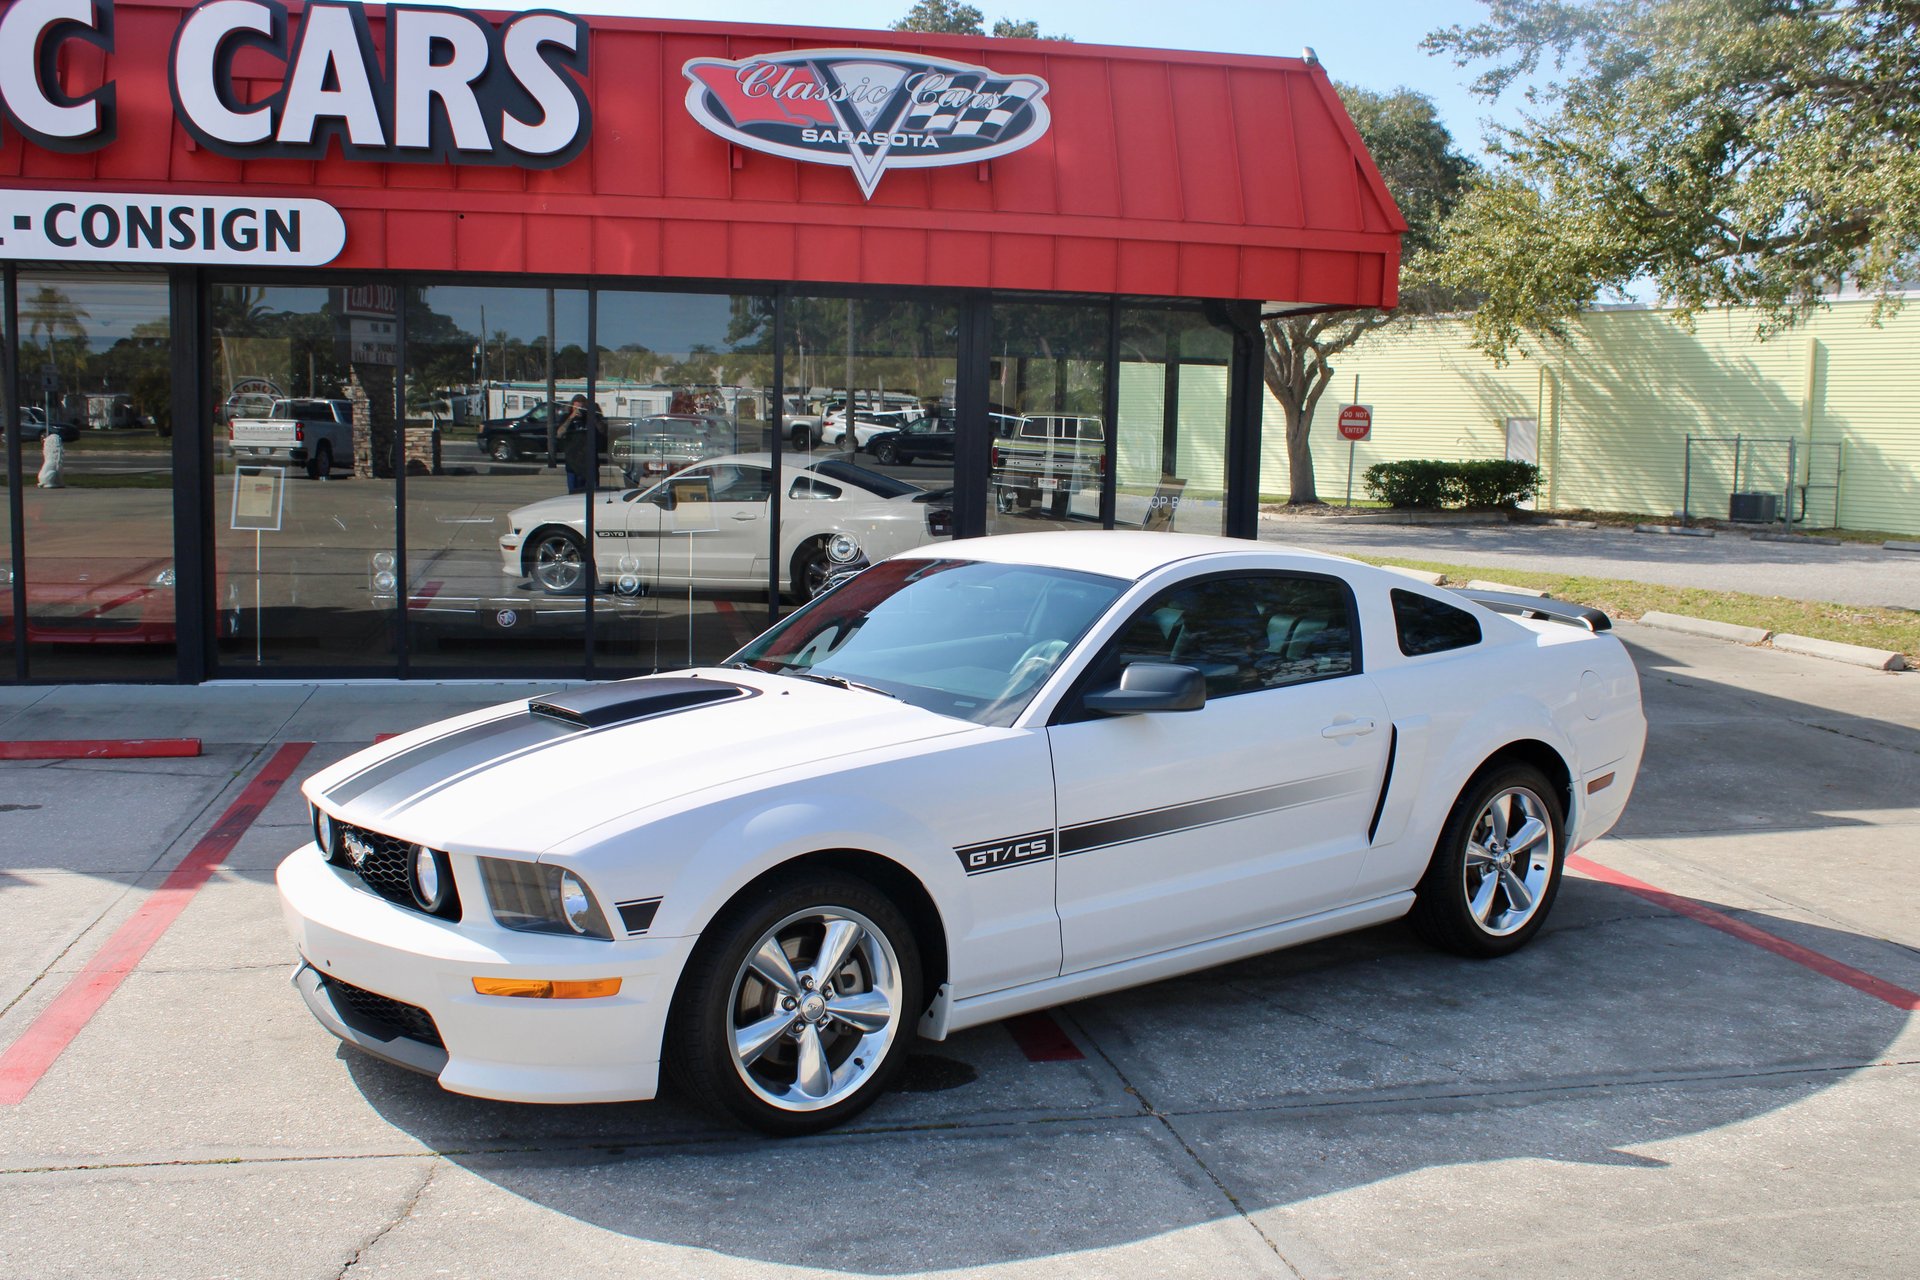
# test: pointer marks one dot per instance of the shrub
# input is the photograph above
(1427, 483)
(1414, 483)
(1496, 484)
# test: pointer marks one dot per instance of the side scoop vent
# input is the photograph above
(606, 704)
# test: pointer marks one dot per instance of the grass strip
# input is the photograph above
(1876, 627)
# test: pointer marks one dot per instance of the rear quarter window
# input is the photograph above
(1425, 625)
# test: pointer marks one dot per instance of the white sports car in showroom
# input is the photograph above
(972, 781)
(706, 526)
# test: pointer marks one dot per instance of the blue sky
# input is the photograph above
(1373, 43)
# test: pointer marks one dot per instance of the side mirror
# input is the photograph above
(1150, 686)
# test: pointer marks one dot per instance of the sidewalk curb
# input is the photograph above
(1706, 627)
(1891, 545)
(1674, 530)
(1808, 538)
(1834, 650)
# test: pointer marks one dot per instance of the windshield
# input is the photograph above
(958, 637)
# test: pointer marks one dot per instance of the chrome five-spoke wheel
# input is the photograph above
(799, 1003)
(816, 1006)
(1509, 861)
(1496, 867)
(557, 562)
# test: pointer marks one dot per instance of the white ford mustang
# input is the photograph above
(706, 526)
(978, 779)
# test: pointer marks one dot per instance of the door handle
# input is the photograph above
(1347, 729)
(745, 515)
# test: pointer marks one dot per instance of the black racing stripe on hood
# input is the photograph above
(439, 763)
(489, 741)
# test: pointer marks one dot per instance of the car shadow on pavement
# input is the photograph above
(1255, 1085)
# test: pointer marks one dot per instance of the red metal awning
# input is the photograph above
(1163, 173)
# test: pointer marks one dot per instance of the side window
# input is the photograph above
(807, 488)
(1427, 625)
(742, 484)
(1248, 634)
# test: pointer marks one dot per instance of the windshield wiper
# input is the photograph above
(840, 682)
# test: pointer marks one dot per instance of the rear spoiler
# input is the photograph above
(1578, 615)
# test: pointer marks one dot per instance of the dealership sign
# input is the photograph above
(453, 87)
(868, 110)
(105, 226)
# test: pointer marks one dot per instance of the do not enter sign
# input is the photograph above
(1356, 421)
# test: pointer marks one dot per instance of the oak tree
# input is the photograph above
(1426, 175)
(1761, 153)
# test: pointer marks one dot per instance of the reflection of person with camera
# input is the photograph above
(583, 437)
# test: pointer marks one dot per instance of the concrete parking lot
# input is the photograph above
(1707, 1065)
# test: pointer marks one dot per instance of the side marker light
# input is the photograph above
(542, 989)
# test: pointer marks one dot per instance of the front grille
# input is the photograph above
(384, 869)
(376, 1013)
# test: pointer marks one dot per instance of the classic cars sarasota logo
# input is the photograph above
(867, 110)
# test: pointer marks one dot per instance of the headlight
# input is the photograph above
(576, 904)
(323, 834)
(537, 898)
(842, 549)
(427, 876)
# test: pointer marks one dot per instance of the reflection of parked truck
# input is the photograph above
(110, 410)
(315, 434)
(1051, 455)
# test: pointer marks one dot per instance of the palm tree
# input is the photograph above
(52, 316)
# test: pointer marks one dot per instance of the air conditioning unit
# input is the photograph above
(1753, 508)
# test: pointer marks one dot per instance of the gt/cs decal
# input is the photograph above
(1009, 851)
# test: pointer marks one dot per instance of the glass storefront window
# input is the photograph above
(487, 453)
(870, 396)
(94, 385)
(1046, 406)
(304, 439)
(686, 525)
(1171, 445)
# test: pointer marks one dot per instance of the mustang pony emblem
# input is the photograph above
(867, 109)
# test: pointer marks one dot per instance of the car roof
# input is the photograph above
(1122, 553)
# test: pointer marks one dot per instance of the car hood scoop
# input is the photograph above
(596, 707)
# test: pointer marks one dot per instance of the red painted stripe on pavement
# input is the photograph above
(1042, 1039)
(424, 596)
(1859, 980)
(101, 749)
(28, 1058)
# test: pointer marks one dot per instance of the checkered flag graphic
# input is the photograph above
(975, 121)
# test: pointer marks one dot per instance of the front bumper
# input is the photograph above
(515, 1049)
(293, 455)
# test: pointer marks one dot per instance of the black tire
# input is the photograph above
(1444, 912)
(503, 450)
(321, 463)
(556, 560)
(723, 992)
(886, 453)
(801, 439)
(811, 569)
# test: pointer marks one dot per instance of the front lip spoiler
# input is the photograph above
(399, 1050)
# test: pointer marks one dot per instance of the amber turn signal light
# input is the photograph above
(542, 989)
